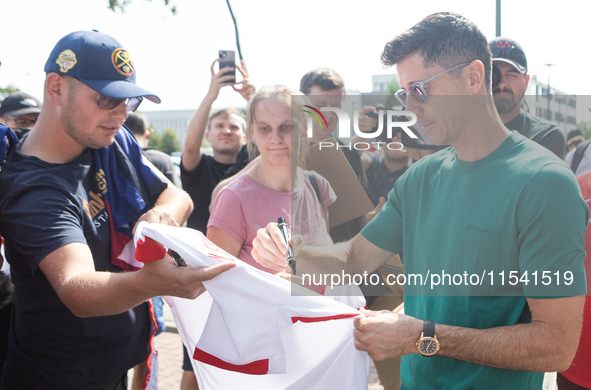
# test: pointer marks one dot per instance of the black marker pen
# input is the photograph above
(290, 258)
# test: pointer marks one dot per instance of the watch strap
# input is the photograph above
(428, 328)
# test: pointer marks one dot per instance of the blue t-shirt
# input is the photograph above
(43, 207)
(518, 209)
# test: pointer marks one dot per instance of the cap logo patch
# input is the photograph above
(28, 103)
(66, 60)
(122, 62)
(505, 44)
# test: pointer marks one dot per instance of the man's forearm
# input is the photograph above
(103, 293)
(546, 344)
(195, 133)
(87, 293)
(525, 347)
(175, 202)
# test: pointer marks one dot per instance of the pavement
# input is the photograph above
(170, 358)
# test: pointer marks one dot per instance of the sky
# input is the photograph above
(280, 40)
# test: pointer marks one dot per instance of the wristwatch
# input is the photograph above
(427, 344)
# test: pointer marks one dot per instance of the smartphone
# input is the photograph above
(227, 60)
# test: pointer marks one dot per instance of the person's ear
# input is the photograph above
(476, 75)
(56, 89)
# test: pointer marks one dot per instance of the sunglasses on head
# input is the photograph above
(109, 103)
(417, 89)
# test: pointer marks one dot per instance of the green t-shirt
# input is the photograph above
(518, 209)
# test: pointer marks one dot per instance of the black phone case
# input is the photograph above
(227, 59)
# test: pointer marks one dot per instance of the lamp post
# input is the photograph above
(498, 24)
(549, 94)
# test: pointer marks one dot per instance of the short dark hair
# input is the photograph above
(575, 141)
(573, 133)
(326, 79)
(445, 39)
(225, 113)
(137, 122)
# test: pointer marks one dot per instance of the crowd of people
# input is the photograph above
(488, 190)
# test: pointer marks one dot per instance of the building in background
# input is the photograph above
(556, 106)
(177, 120)
(380, 82)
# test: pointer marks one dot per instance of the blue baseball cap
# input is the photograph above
(98, 61)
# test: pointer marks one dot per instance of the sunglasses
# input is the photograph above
(21, 122)
(109, 103)
(417, 89)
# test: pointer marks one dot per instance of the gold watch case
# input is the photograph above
(427, 346)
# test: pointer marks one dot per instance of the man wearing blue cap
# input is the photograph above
(70, 196)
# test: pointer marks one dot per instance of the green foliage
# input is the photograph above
(115, 5)
(392, 100)
(170, 142)
(585, 128)
(393, 86)
(155, 141)
(118, 4)
(4, 92)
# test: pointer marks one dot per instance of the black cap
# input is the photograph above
(20, 103)
(509, 51)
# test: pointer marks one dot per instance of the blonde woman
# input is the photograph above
(276, 185)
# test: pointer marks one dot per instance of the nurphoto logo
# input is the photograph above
(395, 120)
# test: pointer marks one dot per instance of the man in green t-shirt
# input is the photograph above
(491, 228)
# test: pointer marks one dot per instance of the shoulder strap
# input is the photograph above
(314, 183)
(578, 156)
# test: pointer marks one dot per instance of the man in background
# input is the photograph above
(139, 125)
(509, 85)
(19, 111)
(326, 88)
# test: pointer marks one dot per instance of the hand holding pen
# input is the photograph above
(271, 249)
(290, 257)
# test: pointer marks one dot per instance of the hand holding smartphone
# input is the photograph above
(227, 60)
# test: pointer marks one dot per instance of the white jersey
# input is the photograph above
(249, 325)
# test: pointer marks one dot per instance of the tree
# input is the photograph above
(585, 128)
(114, 5)
(155, 141)
(170, 142)
(4, 92)
(391, 99)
